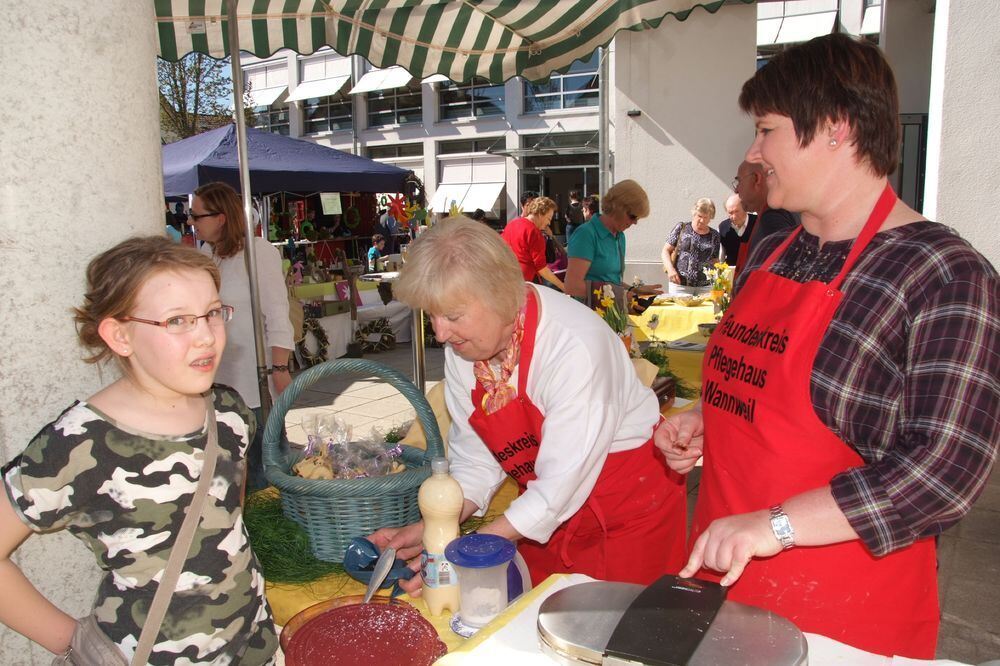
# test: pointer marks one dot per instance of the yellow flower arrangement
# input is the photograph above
(610, 311)
(721, 277)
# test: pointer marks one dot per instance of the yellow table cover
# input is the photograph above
(675, 321)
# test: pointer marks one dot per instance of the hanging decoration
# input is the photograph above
(352, 217)
(397, 208)
(376, 336)
(309, 359)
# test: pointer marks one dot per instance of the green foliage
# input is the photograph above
(281, 545)
(657, 355)
(195, 93)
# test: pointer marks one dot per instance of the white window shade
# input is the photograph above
(267, 96)
(321, 88)
(804, 27)
(482, 195)
(447, 193)
(382, 79)
(872, 22)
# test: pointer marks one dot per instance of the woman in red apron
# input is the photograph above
(786, 503)
(541, 390)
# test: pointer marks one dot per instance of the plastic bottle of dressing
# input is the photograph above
(440, 501)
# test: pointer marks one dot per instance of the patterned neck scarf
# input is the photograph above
(498, 392)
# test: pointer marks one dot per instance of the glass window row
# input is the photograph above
(576, 88)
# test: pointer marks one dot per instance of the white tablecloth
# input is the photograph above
(516, 641)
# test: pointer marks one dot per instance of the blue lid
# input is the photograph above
(480, 551)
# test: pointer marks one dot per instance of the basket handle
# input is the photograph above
(356, 366)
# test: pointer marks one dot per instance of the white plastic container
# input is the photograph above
(440, 500)
(482, 561)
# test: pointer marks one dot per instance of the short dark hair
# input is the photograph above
(528, 196)
(592, 203)
(833, 77)
(377, 238)
(479, 215)
(574, 195)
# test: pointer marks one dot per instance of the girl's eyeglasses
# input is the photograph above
(187, 323)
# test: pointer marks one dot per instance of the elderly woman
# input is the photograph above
(597, 249)
(866, 420)
(525, 364)
(524, 236)
(697, 247)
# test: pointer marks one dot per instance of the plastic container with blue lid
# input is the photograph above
(481, 561)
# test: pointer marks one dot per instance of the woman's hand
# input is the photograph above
(681, 439)
(407, 541)
(730, 543)
(673, 275)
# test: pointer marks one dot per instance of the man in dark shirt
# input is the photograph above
(751, 184)
(736, 229)
(574, 214)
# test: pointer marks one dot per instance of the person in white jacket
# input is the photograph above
(218, 218)
(540, 389)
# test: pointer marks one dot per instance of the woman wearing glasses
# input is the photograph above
(597, 249)
(217, 215)
(692, 247)
(119, 469)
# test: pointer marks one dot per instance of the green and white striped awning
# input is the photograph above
(461, 39)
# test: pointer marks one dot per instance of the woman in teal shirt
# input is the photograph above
(597, 248)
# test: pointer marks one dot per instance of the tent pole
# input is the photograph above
(602, 124)
(248, 244)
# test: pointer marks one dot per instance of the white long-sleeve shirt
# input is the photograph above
(584, 384)
(239, 360)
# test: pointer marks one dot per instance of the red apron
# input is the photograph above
(631, 528)
(765, 443)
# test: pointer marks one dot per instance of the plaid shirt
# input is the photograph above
(908, 374)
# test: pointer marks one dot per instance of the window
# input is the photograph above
(467, 146)
(327, 114)
(471, 100)
(395, 151)
(397, 106)
(577, 88)
(273, 120)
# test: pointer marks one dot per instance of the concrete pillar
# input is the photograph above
(963, 145)
(80, 157)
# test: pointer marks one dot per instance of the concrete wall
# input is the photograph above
(81, 171)
(963, 151)
(684, 78)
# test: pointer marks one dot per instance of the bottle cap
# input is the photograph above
(439, 465)
(480, 551)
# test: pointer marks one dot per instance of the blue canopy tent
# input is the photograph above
(277, 163)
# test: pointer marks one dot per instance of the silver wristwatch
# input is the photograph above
(782, 527)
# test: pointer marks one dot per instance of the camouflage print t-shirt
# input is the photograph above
(123, 493)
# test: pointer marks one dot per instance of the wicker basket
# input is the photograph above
(332, 512)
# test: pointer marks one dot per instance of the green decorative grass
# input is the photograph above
(281, 545)
(658, 357)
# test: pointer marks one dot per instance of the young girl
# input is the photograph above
(119, 470)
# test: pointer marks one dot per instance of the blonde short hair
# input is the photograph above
(459, 260)
(704, 206)
(628, 198)
(540, 206)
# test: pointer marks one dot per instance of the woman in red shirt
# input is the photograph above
(524, 236)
